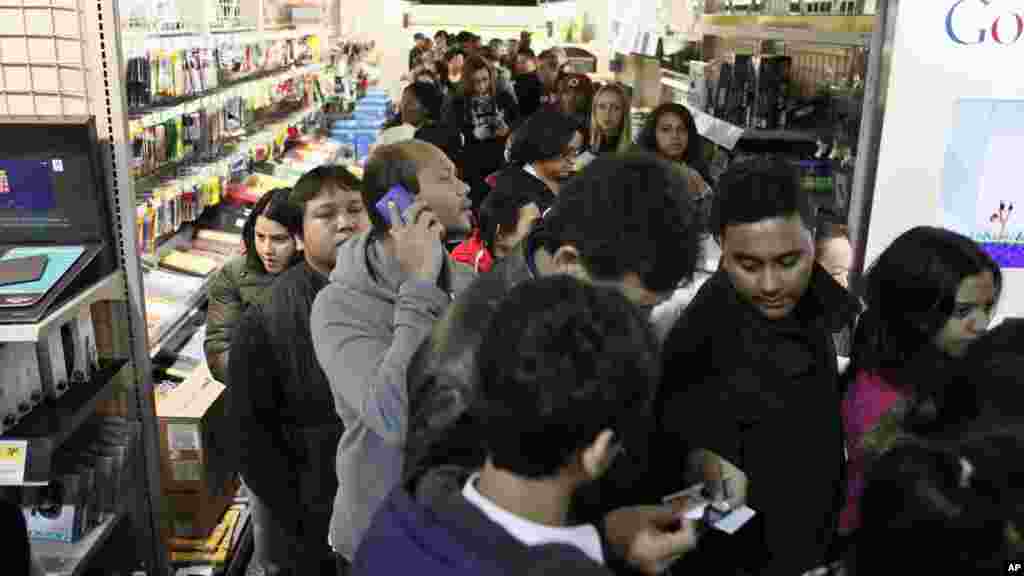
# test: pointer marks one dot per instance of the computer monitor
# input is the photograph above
(52, 187)
(54, 202)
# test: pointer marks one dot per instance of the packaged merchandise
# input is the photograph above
(86, 486)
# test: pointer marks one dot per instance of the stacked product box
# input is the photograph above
(86, 484)
(358, 134)
(197, 478)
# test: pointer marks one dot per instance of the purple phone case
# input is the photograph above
(402, 199)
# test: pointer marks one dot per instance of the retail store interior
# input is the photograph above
(160, 161)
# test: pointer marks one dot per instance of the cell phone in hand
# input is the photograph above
(402, 199)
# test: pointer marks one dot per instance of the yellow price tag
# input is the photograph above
(13, 455)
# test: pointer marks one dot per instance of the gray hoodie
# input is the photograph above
(367, 324)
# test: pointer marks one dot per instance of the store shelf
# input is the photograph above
(261, 135)
(64, 559)
(51, 423)
(159, 114)
(242, 35)
(849, 31)
(184, 312)
(110, 288)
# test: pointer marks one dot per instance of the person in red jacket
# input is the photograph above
(505, 218)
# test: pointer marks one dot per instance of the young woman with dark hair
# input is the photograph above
(671, 133)
(485, 118)
(928, 297)
(542, 156)
(269, 250)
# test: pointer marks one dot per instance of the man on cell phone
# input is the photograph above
(388, 288)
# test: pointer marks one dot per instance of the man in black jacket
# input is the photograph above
(750, 391)
(282, 404)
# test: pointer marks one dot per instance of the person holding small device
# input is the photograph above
(388, 288)
(565, 367)
(750, 393)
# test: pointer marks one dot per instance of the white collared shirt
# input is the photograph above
(583, 537)
(529, 169)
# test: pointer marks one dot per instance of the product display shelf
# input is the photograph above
(268, 132)
(109, 288)
(265, 132)
(164, 112)
(240, 35)
(72, 559)
(50, 424)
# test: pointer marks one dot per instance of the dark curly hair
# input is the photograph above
(628, 213)
(942, 509)
(694, 155)
(561, 361)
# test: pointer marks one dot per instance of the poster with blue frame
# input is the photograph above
(982, 191)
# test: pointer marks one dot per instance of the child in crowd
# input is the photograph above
(834, 252)
(505, 218)
(564, 368)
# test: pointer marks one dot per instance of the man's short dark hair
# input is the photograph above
(629, 213)
(561, 361)
(760, 189)
(527, 53)
(311, 185)
(394, 164)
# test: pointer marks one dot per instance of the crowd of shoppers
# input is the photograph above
(600, 337)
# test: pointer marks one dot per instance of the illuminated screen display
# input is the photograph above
(27, 186)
